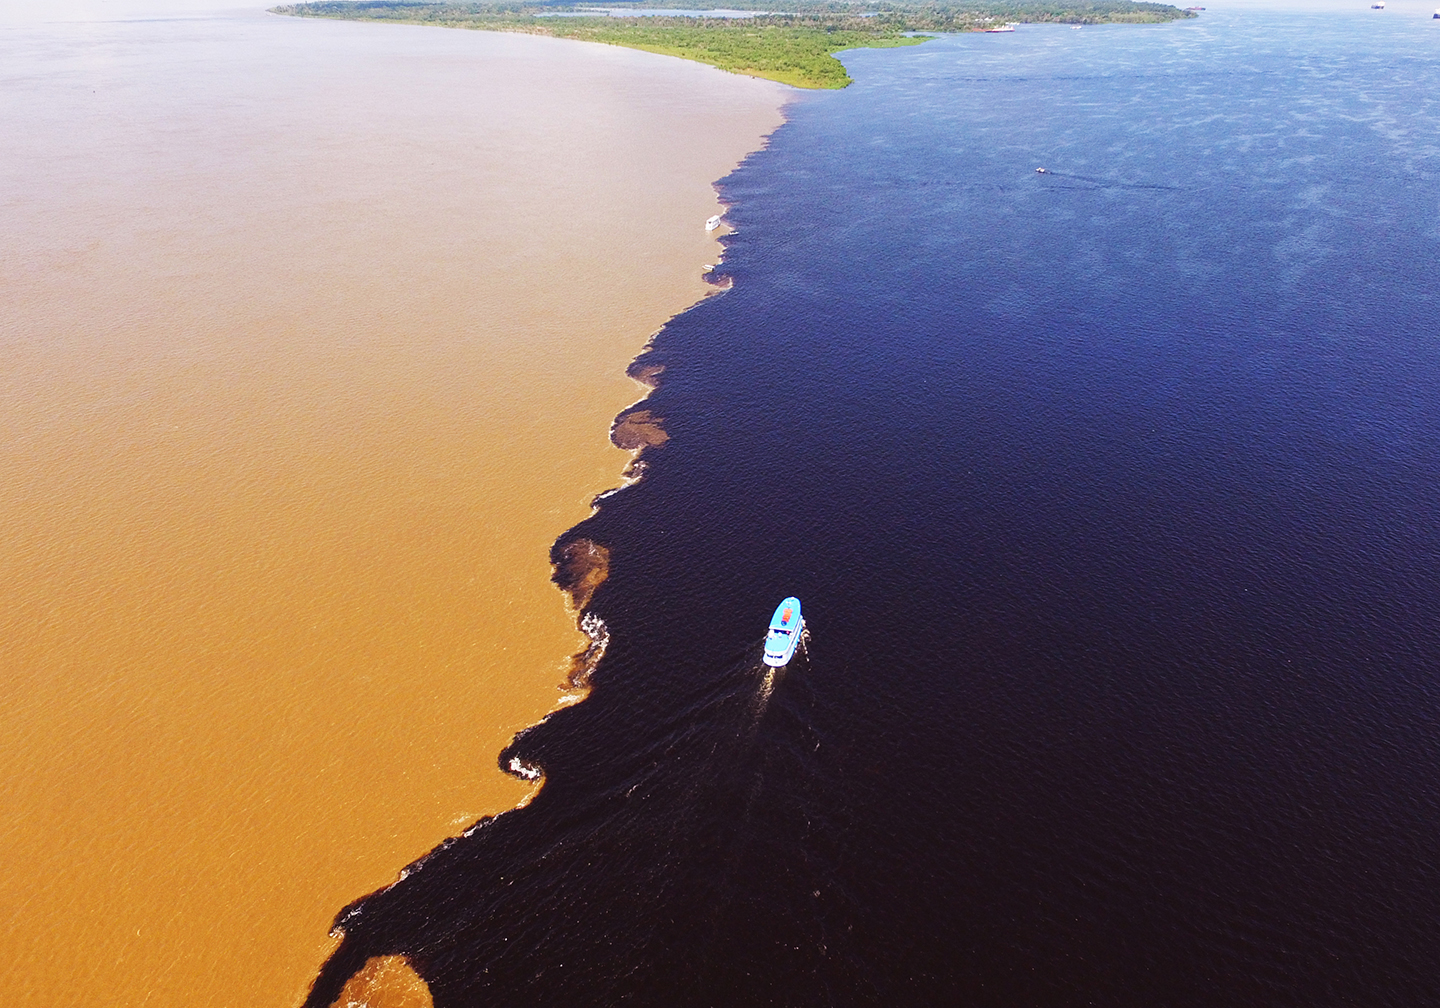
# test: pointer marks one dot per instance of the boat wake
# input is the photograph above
(771, 676)
(1095, 182)
(662, 797)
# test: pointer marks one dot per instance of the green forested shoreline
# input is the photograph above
(795, 47)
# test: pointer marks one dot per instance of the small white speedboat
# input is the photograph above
(712, 223)
(784, 634)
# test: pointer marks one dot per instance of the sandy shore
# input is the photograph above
(313, 335)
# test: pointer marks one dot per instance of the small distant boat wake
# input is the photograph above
(1093, 182)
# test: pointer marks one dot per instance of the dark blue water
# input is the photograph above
(1111, 497)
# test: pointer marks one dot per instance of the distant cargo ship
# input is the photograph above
(785, 629)
(1378, 6)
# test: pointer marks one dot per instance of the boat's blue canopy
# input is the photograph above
(787, 615)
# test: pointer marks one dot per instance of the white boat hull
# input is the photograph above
(783, 637)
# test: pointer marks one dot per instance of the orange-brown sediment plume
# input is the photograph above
(581, 566)
(646, 372)
(385, 982)
(638, 429)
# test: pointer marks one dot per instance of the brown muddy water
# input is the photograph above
(310, 337)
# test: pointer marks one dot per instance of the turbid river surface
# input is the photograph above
(310, 337)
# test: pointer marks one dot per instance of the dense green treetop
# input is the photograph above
(795, 46)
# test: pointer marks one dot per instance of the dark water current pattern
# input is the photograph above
(1111, 497)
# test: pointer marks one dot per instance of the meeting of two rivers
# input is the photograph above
(1110, 490)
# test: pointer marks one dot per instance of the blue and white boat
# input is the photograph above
(785, 629)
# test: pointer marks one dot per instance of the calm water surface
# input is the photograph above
(1111, 495)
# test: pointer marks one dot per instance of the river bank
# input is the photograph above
(795, 48)
(315, 333)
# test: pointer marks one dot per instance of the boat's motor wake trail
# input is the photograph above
(787, 634)
(669, 794)
(769, 678)
(1096, 182)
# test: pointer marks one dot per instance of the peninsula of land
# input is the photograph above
(796, 47)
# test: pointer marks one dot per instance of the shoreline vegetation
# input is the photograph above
(796, 47)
